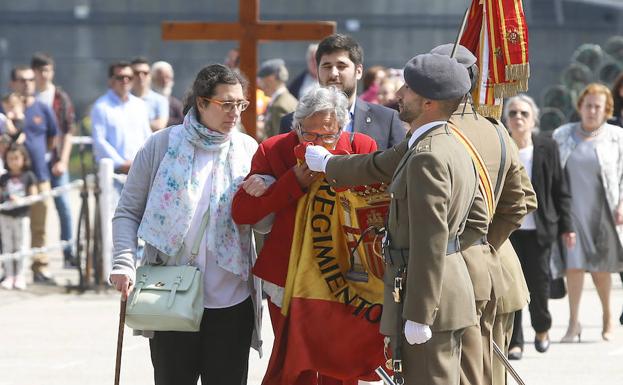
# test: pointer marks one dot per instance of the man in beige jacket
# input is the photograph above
(428, 299)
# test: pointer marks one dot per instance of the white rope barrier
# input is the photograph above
(120, 178)
(32, 199)
(29, 201)
(81, 140)
(36, 250)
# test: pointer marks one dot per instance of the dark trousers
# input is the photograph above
(534, 260)
(218, 352)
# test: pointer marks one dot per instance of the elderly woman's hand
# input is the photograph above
(304, 175)
(122, 283)
(255, 186)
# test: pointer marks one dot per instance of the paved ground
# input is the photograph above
(48, 337)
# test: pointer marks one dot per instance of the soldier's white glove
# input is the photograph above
(417, 333)
(317, 157)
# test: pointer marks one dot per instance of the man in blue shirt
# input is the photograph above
(157, 104)
(120, 121)
(41, 129)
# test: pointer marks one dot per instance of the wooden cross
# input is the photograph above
(248, 31)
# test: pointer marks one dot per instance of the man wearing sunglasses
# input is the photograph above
(40, 128)
(157, 105)
(120, 120)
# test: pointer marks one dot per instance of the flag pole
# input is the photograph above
(509, 368)
(458, 36)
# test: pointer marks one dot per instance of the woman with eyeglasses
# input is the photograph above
(533, 241)
(319, 119)
(591, 152)
(183, 174)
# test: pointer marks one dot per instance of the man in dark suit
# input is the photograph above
(340, 64)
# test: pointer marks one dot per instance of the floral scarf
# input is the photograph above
(175, 194)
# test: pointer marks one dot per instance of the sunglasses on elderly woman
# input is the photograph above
(228, 106)
(514, 113)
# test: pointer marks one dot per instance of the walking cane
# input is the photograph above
(507, 364)
(120, 339)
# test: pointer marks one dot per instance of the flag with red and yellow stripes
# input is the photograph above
(497, 33)
(333, 297)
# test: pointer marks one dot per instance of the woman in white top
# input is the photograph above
(180, 174)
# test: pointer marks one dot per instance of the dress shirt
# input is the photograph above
(422, 129)
(221, 288)
(526, 155)
(119, 128)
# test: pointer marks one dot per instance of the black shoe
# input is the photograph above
(541, 346)
(515, 355)
(43, 279)
(621, 318)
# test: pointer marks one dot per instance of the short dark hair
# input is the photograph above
(22, 149)
(340, 42)
(41, 59)
(118, 64)
(17, 69)
(206, 81)
(139, 60)
(447, 107)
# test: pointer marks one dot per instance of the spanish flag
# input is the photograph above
(334, 291)
(497, 34)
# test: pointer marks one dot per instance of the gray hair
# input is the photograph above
(282, 75)
(323, 99)
(529, 101)
(161, 65)
(311, 50)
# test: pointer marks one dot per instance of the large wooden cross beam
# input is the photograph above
(249, 31)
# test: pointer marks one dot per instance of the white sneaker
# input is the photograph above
(20, 283)
(8, 282)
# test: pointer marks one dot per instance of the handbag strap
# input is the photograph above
(198, 238)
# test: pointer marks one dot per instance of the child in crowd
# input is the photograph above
(17, 183)
(12, 121)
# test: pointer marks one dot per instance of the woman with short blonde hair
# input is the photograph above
(591, 151)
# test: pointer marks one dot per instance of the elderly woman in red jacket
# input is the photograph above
(319, 119)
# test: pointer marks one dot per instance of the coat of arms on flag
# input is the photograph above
(334, 291)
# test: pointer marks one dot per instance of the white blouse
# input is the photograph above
(221, 288)
(526, 155)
